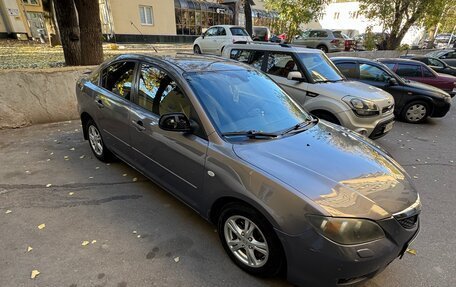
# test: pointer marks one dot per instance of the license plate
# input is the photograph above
(388, 127)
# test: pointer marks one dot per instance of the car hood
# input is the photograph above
(332, 167)
(352, 88)
(447, 77)
(426, 87)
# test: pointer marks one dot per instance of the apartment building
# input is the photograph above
(172, 20)
(22, 19)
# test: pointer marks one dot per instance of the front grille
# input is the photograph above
(387, 109)
(408, 222)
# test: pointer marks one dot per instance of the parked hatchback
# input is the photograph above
(328, 41)
(448, 56)
(436, 64)
(261, 33)
(214, 40)
(314, 82)
(286, 192)
(420, 72)
(414, 101)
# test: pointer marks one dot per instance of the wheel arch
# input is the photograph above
(85, 118)
(323, 111)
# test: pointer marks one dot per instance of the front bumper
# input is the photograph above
(372, 127)
(313, 260)
(441, 108)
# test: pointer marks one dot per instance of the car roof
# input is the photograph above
(400, 60)
(274, 47)
(226, 26)
(352, 59)
(186, 62)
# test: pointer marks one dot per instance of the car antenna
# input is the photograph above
(133, 24)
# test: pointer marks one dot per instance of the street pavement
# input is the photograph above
(106, 225)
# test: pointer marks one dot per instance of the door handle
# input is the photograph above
(139, 125)
(99, 103)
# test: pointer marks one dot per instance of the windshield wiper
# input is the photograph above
(251, 134)
(301, 126)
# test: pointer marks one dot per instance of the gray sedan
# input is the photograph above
(288, 192)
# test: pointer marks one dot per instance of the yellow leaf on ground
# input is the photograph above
(82, 156)
(41, 226)
(34, 274)
(135, 179)
(176, 259)
(94, 241)
(8, 211)
(85, 242)
(411, 251)
(124, 174)
(48, 185)
(70, 193)
(29, 248)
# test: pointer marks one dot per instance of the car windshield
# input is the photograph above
(244, 101)
(436, 54)
(320, 68)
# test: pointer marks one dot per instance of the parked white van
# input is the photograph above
(310, 77)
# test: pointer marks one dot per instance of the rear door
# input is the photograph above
(410, 71)
(278, 66)
(209, 43)
(173, 159)
(113, 101)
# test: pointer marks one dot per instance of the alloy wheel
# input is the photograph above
(95, 140)
(246, 241)
(416, 112)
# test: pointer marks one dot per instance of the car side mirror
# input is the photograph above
(175, 122)
(295, 76)
(392, 82)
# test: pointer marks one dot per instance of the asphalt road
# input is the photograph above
(141, 231)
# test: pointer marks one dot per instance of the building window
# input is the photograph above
(30, 2)
(145, 13)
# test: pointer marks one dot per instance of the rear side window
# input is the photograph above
(118, 79)
(406, 70)
(434, 62)
(251, 57)
(238, 31)
(348, 69)
(337, 34)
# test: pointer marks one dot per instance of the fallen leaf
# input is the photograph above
(90, 177)
(70, 193)
(176, 259)
(34, 274)
(124, 174)
(29, 248)
(65, 157)
(72, 148)
(135, 179)
(48, 159)
(97, 167)
(8, 211)
(82, 156)
(27, 171)
(94, 241)
(415, 176)
(85, 242)
(41, 226)
(134, 231)
(139, 236)
(51, 153)
(108, 164)
(411, 251)
(48, 185)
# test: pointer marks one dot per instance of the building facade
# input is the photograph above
(172, 20)
(23, 19)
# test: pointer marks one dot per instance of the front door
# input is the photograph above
(173, 159)
(278, 66)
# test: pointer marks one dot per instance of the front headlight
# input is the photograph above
(347, 230)
(447, 99)
(361, 107)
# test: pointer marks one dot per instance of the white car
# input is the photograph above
(214, 40)
(313, 81)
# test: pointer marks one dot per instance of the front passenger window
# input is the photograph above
(371, 73)
(118, 79)
(280, 64)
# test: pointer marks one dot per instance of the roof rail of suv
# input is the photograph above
(205, 55)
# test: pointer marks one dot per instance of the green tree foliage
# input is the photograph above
(293, 13)
(398, 16)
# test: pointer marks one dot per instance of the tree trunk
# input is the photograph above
(91, 35)
(67, 21)
(248, 17)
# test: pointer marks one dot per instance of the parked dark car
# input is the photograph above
(414, 101)
(420, 72)
(436, 64)
(285, 190)
(448, 56)
(261, 33)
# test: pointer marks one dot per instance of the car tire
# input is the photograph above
(196, 49)
(327, 116)
(415, 112)
(258, 251)
(96, 142)
(323, 48)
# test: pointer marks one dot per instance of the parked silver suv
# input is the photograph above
(318, 86)
(324, 39)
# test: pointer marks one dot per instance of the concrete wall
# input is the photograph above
(38, 96)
